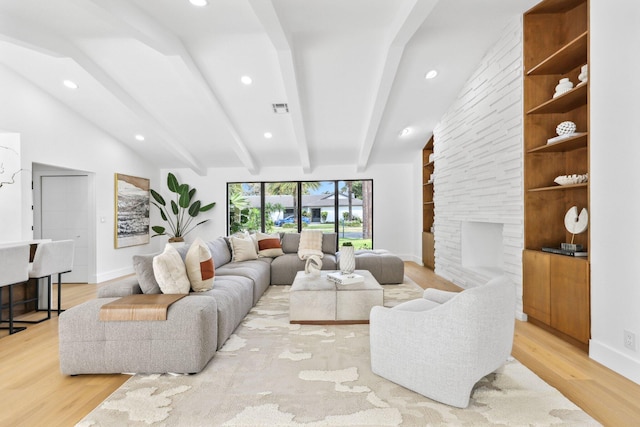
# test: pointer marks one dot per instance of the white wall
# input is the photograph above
(478, 164)
(615, 198)
(394, 224)
(52, 134)
(10, 194)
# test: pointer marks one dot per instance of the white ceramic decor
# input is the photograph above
(565, 85)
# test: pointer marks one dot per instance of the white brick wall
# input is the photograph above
(478, 162)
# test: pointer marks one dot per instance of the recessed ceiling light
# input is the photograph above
(268, 135)
(199, 3)
(246, 80)
(405, 132)
(139, 137)
(70, 84)
(431, 74)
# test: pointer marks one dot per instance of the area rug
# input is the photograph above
(272, 373)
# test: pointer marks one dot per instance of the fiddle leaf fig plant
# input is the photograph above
(184, 209)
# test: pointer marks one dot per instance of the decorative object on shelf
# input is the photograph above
(132, 211)
(183, 208)
(575, 224)
(572, 179)
(430, 157)
(584, 74)
(566, 128)
(564, 85)
(313, 265)
(347, 258)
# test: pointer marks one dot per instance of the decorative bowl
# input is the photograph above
(571, 179)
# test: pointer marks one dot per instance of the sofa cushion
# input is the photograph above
(258, 271)
(199, 265)
(220, 251)
(269, 245)
(143, 266)
(243, 249)
(330, 243)
(170, 272)
(284, 268)
(234, 299)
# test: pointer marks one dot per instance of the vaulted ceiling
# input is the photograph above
(352, 73)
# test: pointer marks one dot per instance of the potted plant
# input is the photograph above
(183, 210)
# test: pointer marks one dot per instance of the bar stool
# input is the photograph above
(51, 258)
(14, 270)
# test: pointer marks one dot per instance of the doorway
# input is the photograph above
(63, 206)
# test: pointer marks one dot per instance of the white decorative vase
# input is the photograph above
(347, 259)
(313, 265)
(565, 85)
(584, 74)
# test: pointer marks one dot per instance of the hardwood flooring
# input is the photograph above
(34, 393)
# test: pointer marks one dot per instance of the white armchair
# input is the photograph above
(441, 345)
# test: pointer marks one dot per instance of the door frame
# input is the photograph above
(42, 170)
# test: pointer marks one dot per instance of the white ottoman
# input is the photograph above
(317, 300)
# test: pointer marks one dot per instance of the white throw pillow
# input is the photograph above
(200, 267)
(243, 249)
(269, 245)
(170, 272)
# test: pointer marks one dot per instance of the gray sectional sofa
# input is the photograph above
(198, 324)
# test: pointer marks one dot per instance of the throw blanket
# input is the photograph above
(310, 244)
(138, 307)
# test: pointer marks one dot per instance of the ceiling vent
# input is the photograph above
(280, 108)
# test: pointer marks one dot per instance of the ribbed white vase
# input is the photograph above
(347, 259)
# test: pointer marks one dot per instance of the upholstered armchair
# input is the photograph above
(441, 345)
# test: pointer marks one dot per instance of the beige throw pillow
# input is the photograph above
(170, 272)
(243, 249)
(200, 268)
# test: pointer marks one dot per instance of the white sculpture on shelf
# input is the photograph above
(564, 85)
(575, 224)
(584, 74)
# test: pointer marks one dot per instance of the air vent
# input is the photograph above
(280, 108)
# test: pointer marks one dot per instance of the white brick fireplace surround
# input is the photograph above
(478, 196)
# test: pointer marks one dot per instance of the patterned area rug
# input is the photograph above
(273, 373)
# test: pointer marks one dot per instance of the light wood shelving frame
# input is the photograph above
(555, 287)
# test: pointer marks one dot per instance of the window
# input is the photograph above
(344, 207)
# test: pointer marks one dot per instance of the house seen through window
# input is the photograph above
(344, 207)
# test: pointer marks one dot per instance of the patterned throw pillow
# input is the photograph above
(170, 272)
(200, 268)
(269, 245)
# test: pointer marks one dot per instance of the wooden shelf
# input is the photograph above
(566, 102)
(428, 207)
(567, 58)
(554, 6)
(560, 187)
(575, 142)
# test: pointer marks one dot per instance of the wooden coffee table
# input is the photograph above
(317, 300)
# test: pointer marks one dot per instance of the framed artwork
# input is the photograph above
(131, 211)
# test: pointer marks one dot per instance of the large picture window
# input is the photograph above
(344, 207)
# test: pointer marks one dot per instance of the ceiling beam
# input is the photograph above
(268, 16)
(48, 42)
(145, 29)
(402, 30)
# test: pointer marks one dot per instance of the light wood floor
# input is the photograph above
(34, 393)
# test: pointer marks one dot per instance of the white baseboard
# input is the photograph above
(113, 274)
(615, 360)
